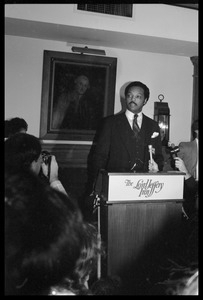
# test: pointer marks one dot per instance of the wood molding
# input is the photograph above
(195, 100)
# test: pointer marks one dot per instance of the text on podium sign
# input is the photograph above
(145, 186)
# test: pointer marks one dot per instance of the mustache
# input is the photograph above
(132, 102)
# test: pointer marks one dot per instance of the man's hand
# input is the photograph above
(53, 169)
(179, 163)
(153, 167)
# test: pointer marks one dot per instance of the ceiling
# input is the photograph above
(73, 36)
(188, 5)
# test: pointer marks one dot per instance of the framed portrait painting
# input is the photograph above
(78, 90)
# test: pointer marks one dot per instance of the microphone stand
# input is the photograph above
(99, 242)
(97, 207)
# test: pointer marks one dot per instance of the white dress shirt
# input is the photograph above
(130, 117)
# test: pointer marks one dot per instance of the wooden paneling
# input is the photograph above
(69, 155)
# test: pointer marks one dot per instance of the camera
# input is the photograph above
(46, 158)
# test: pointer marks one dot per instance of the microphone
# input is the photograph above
(150, 152)
(174, 153)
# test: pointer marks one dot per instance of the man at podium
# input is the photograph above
(122, 143)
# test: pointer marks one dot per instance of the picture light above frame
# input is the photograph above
(88, 50)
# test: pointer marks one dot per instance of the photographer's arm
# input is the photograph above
(179, 163)
(53, 179)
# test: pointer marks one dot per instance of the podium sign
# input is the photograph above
(144, 186)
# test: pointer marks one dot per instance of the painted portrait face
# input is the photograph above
(135, 99)
(81, 84)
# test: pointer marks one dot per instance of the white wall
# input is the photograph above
(164, 74)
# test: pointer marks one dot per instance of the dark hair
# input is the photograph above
(20, 151)
(111, 285)
(43, 235)
(87, 262)
(140, 84)
(195, 125)
(14, 125)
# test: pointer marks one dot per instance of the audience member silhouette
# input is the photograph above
(15, 125)
(187, 162)
(23, 152)
(43, 236)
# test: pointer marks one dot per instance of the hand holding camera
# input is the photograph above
(49, 166)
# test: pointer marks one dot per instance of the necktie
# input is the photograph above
(136, 128)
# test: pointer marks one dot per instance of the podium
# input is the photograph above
(140, 215)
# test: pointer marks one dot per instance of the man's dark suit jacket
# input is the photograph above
(115, 148)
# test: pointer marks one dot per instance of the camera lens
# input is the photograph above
(46, 156)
